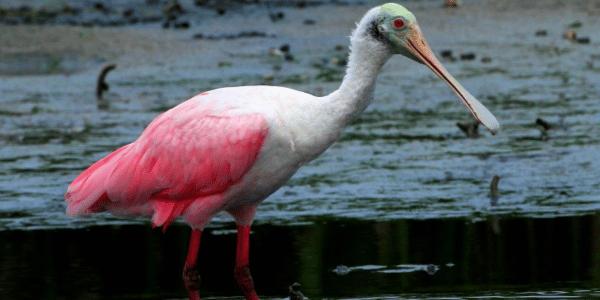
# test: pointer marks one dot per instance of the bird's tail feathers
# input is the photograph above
(87, 193)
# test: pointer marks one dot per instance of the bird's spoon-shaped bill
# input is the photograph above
(418, 47)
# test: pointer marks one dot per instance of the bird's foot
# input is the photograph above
(244, 280)
(191, 278)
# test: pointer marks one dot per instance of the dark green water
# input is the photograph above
(499, 257)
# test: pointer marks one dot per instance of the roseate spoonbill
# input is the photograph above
(229, 148)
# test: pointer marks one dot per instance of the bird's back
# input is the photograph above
(197, 149)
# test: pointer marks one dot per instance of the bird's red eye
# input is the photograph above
(398, 23)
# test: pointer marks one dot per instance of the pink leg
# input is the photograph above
(191, 278)
(242, 263)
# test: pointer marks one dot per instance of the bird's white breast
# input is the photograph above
(300, 128)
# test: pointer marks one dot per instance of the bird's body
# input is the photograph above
(228, 149)
(222, 150)
(288, 128)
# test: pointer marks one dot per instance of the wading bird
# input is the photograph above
(228, 149)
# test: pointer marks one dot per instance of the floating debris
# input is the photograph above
(101, 85)
(471, 129)
(331, 67)
(301, 4)
(70, 10)
(544, 127)
(543, 123)
(294, 292)
(231, 36)
(276, 52)
(576, 24)
(268, 79)
(583, 40)
(309, 22)
(224, 64)
(285, 48)
(276, 16)
(541, 32)
(173, 8)
(128, 13)
(451, 3)
(447, 54)
(282, 51)
(570, 35)
(467, 56)
(338, 61)
(181, 25)
(486, 59)
(99, 6)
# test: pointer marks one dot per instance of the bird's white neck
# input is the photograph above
(356, 91)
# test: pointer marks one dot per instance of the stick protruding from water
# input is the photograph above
(101, 85)
(494, 190)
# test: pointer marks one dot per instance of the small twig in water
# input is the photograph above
(451, 3)
(494, 190)
(494, 220)
(545, 125)
(101, 85)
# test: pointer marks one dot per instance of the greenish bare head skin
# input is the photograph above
(397, 27)
(390, 15)
(396, 10)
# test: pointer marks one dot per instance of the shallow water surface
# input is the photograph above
(403, 158)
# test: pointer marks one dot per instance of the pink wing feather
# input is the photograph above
(186, 154)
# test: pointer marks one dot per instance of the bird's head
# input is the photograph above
(396, 27)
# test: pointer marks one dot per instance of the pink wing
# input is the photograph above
(185, 154)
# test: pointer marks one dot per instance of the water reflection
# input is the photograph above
(133, 261)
